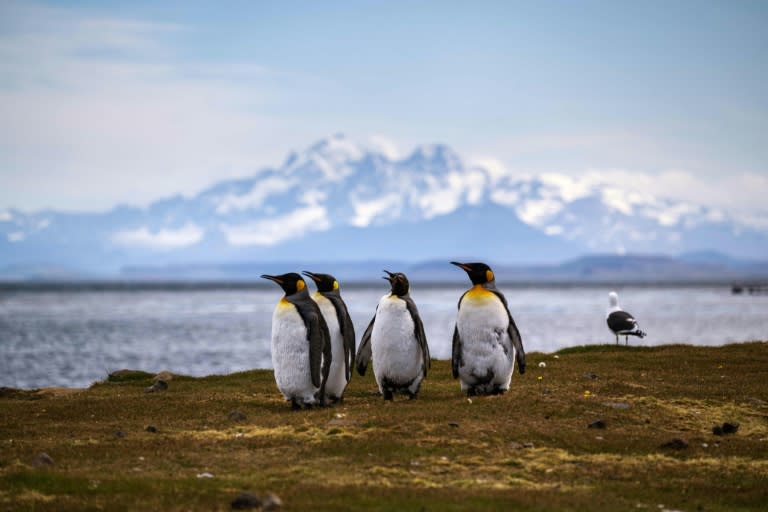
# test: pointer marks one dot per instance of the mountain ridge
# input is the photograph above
(344, 200)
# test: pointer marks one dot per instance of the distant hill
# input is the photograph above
(339, 201)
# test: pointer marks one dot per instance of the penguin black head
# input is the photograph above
(399, 283)
(324, 282)
(290, 283)
(479, 273)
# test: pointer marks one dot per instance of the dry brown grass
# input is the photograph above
(530, 449)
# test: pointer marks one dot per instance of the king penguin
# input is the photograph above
(620, 322)
(301, 348)
(342, 332)
(486, 341)
(396, 342)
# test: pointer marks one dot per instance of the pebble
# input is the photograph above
(205, 475)
(542, 364)
(271, 502)
(454, 425)
(590, 375)
(119, 434)
(236, 415)
(597, 424)
(152, 429)
(246, 500)
(616, 405)
(725, 428)
(42, 459)
(675, 444)
(159, 385)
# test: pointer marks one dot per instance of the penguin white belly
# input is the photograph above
(290, 354)
(486, 348)
(397, 356)
(337, 376)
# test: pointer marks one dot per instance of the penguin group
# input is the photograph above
(313, 339)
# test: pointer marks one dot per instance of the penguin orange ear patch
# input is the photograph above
(300, 285)
(335, 285)
(488, 275)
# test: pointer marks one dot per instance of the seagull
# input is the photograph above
(620, 322)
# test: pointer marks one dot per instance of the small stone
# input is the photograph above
(515, 445)
(590, 375)
(675, 444)
(42, 459)
(617, 405)
(205, 475)
(597, 424)
(542, 364)
(454, 425)
(152, 429)
(236, 415)
(528, 445)
(730, 428)
(246, 500)
(159, 385)
(119, 434)
(271, 502)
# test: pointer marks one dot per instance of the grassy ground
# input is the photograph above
(530, 449)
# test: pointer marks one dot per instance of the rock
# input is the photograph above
(725, 428)
(454, 425)
(542, 364)
(271, 502)
(205, 475)
(119, 434)
(246, 500)
(164, 375)
(597, 424)
(159, 385)
(42, 460)
(590, 375)
(152, 429)
(675, 444)
(236, 415)
(616, 405)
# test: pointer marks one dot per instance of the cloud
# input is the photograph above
(108, 102)
(272, 231)
(162, 240)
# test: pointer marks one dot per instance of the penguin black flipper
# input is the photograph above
(514, 334)
(319, 339)
(347, 331)
(455, 353)
(364, 353)
(418, 331)
(456, 345)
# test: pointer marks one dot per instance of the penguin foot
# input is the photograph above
(412, 396)
(388, 394)
(295, 405)
(471, 391)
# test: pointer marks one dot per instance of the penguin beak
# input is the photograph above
(310, 275)
(390, 274)
(273, 278)
(466, 268)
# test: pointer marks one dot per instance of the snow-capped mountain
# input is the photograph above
(341, 200)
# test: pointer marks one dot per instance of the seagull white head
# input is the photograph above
(613, 301)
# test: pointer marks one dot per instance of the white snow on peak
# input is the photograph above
(383, 146)
(536, 212)
(271, 231)
(367, 210)
(260, 191)
(164, 239)
(331, 156)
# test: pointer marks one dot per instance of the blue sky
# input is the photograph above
(108, 102)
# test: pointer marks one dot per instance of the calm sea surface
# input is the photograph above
(76, 337)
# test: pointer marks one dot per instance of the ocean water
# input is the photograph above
(66, 337)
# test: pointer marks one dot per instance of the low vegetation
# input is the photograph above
(592, 428)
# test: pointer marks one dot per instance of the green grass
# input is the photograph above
(530, 449)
